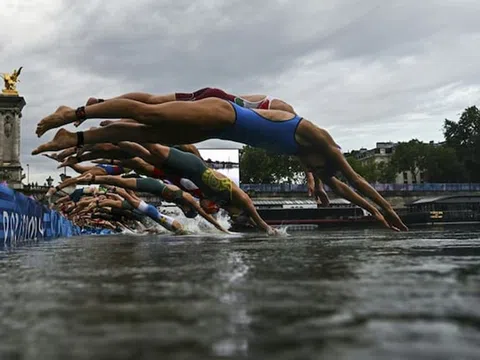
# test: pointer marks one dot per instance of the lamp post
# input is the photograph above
(28, 174)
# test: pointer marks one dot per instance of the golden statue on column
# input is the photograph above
(10, 81)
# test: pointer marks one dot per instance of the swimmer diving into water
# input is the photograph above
(265, 102)
(181, 122)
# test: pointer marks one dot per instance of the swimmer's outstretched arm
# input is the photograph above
(107, 161)
(364, 187)
(344, 191)
(95, 154)
(62, 199)
(314, 185)
(189, 198)
(244, 201)
(62, 185)
(191, 149)
(138, 165)
(320, 193)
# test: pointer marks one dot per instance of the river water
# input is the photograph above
(356, 294)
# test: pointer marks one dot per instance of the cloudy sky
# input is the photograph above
(365, 70)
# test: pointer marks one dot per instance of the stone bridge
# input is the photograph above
(397, 194)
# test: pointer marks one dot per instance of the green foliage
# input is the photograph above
(464, 138)
(443, 165)
(439, 163)
(258, 166)
(386, 173)
(409, 156)
(373, 172)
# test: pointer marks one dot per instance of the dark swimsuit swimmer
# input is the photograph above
(76, 195)
(189, 166)
(158, 187)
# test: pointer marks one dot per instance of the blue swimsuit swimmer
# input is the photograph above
(112, 169)
(253, 129)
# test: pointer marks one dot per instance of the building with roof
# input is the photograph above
(382, 153)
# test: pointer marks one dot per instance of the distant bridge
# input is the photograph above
(397, 194)
(382, 188)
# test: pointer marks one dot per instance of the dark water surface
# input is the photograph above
(314, 295)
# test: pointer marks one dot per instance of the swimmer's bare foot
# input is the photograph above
(63, 139)
(62, 116)
(85, 178)
(62, 155)
(72, 160)
(52, 156)
(80, 150)
(91, 101)
(107, 122)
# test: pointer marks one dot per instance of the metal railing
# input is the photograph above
(427, 187)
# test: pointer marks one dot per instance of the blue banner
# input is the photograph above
(22, 219)
(426, 187)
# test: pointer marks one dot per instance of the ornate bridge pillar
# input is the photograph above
(10, 114)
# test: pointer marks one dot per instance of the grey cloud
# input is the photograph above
(366, 70)
(164, 48)
(393, 29)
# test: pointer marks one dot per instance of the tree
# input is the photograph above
(371, 170)
(258, 166)
(464, 137)
(386, 172)
(443, 166)
(255, 166)
(410, 156)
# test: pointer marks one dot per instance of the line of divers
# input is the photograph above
(154, 137)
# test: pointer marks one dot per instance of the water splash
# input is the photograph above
(197, 225)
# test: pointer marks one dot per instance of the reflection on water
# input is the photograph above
(353, 294)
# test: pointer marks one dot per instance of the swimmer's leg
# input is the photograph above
(64, 139)
(167, 222)
(145, 98)
(201, 117)
(126, 183)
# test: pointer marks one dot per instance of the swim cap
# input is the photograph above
(191, 213)
(209, 206)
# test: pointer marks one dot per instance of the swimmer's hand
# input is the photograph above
(272, 232)
(182, 232)
(52, 156)
(394, 221)
(50, 192)
(378, 215)
(391, 221)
